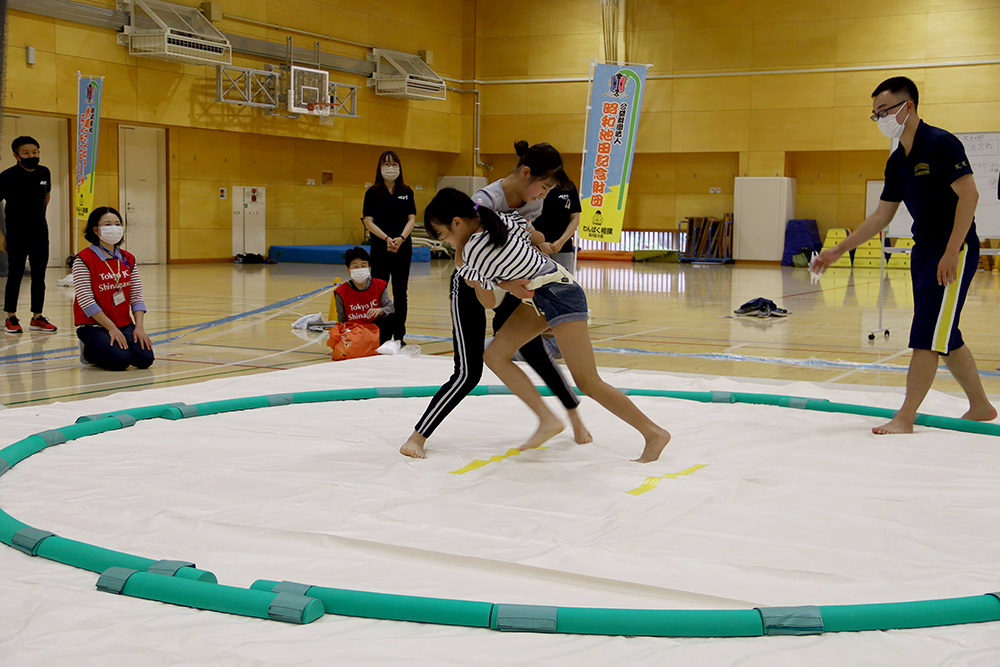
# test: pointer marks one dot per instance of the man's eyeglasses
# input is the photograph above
(885, 112)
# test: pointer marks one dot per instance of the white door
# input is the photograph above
(53, 135)
(142, 183)
(762, 208)
(249, 221)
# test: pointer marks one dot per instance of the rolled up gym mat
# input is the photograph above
(389, 607)
(286, 607)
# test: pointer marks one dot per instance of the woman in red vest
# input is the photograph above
(108, 295)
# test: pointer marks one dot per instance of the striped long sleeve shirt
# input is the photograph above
(85, 291)
(488, 264)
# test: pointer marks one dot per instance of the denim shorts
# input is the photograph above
(560, 303)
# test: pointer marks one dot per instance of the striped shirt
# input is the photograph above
(85, 290)
(488, 264)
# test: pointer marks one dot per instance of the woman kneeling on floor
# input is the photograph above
(108, 295)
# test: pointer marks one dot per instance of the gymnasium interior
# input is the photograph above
(253, 129)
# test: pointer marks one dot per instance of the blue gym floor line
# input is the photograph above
(44, 355)
(193, 328)
(808, 363)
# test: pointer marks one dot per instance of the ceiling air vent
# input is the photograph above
(173, 32)
(405, 75)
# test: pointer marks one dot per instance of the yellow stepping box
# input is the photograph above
(833, 237)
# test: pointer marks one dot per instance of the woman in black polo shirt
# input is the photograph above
(390, 213)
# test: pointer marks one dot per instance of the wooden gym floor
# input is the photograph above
(218, 320)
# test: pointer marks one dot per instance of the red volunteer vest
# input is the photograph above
(104, 285)
(357, 304)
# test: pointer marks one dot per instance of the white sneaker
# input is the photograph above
(390, 348)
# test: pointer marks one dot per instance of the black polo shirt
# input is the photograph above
(23, 193)
(560, 204)
(389, 210)
(923, 181)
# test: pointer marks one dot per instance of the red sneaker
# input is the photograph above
(11, 325)
(41, 324)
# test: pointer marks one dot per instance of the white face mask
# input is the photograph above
(111, 233)
(390, 172)
(361, 276)
(890, 127)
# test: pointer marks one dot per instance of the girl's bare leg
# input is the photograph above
(578, 353)
(522, 326)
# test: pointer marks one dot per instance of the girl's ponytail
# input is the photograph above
(450, 203)
(494, 227)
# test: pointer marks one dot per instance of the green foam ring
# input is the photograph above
(22, 449)
(139, 414)
(906, 615)
(83, 429)
(660, 623)
(387, 606)
(327, 395)
(9, 526)
(198, 588)
(88, 556)
(216, 597)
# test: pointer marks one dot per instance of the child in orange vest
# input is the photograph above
(363, 298)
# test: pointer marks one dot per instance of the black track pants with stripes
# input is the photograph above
(468, 323)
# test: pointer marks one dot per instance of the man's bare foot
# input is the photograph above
(547, 429)
(654, 446)
(580, 432)
(986, 413)
(414, 447)
(897, 425)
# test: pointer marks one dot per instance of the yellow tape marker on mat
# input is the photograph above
(651, 482)
(479, 463)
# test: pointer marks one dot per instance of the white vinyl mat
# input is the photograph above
(792, 507)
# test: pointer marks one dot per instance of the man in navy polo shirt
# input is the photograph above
(930, 172)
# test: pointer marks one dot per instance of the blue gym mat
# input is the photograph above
(329, 254)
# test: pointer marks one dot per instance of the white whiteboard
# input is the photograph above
(983, 149)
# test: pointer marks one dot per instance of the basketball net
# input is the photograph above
(324, 110)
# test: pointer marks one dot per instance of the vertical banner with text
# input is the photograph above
(615, 100)
(88, 122)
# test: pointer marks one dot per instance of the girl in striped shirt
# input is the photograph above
(494, 250)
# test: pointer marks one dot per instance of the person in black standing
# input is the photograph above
(25, 190)
(390, 213)
(929, 172)
(559, 221)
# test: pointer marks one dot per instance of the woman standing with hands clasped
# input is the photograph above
(108, 296)
(389, 214)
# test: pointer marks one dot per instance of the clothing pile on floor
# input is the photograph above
(761, 307)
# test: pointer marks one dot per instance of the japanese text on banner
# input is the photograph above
(88, 123)
(611, 131)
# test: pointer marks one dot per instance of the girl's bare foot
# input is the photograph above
(580, 432)
(895, 426)
(986, 413)
(547, 428)
(414, 447)
(655, 442)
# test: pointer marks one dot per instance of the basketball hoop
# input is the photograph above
(324, 110)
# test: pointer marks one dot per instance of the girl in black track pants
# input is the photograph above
(538, 171)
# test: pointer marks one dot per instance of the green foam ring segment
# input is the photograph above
(211, 597)
(299, 603)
